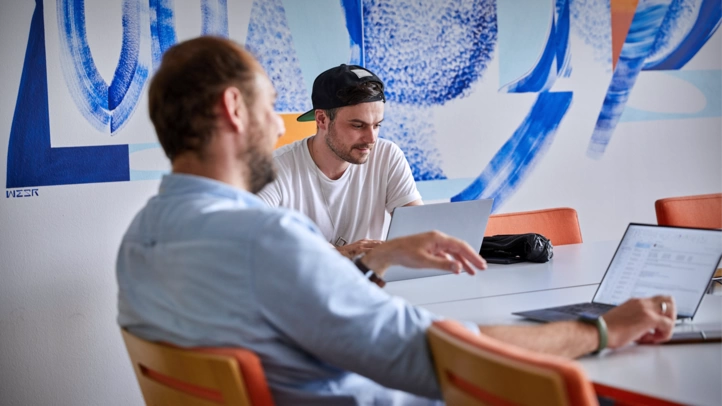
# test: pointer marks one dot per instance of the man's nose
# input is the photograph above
(370, 135)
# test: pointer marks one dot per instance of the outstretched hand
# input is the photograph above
(432, 249)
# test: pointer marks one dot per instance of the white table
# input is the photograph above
(572, 265)
(688, 374)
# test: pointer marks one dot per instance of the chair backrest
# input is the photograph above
(478, 370)
(197, 377)
(560, 225)
(703, 211)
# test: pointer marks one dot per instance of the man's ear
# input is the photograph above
(322, 120)
(233, 108)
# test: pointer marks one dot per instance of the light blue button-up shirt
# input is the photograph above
(205, 264)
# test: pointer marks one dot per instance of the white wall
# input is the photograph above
(59, 343)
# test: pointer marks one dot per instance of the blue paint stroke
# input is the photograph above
(515, 160)
(555, 59)
(591, 22)
(412, 129)
(354, 25)
(31, 159)
(429, 53)
(270, 40)
(636, 48)
(214, 21)
(214, 17)
(162, 29)
(709, 82)
(669, 54)
(107, 108)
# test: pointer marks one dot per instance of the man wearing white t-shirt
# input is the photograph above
(345, 177)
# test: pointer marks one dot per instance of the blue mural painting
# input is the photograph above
(354, 26)
(698, 19)
(590, 22)
(105, 107)
(162, 28)
(654, 43)
(269, 39)
(554, 61)
(515, 160)
(428, 53)
(639, 43)
(32, 161)
(510, 166)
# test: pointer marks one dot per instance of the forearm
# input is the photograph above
(569, 339)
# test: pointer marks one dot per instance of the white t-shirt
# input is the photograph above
(351, 207)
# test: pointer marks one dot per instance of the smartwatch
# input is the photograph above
(368, 273)
(601, 326)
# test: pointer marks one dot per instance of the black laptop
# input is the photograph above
(650, 260)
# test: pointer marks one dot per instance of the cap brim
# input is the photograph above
(307, 116)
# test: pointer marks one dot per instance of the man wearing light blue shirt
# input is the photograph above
(207, 263)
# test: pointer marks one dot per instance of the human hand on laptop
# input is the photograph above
(646, 321)
(358, 247)
(432, 249)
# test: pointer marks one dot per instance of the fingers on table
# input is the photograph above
(461, 250)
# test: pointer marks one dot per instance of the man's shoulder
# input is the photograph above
(268, 222)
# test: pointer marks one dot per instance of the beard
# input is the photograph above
(261, 169)
(342, 151)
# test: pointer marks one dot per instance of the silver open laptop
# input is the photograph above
(464, 220)
(651, 260)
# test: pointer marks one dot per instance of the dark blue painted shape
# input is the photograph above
(31, 159)
(354, 26)
(515, 160)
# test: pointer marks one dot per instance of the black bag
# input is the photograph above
(512, 248)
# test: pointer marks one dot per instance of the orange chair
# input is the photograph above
(478, 370)
(703, 211)
(560, 225)
(197, 377)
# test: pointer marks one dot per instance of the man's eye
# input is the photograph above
(357, 126)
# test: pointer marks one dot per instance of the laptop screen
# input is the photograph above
(654, 260)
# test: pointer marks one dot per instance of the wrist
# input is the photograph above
(376, 260)
(369, 273)
(602, 331)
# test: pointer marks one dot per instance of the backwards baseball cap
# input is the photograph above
(329, 84)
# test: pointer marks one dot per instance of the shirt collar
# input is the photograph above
(179, 184)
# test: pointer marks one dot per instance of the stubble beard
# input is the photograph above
(260, 164)
(331, 142)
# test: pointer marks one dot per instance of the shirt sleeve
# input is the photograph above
(271, 194)
(401, 187)
(320, 302)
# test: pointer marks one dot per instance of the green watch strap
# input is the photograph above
(601, 326)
